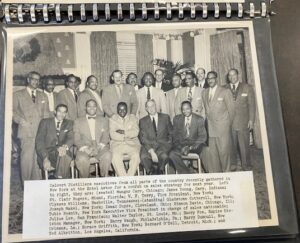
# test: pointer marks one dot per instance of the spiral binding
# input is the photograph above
(47, 13)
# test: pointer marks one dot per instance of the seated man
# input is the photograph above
(53, 143)
(124, 131)
(91, 136)
(156, 139)
(189, 137)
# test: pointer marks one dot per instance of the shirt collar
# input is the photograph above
(236, 84)
(155, 116)
(30, 90)
(190, 118)
(87, 115)
(56, 120)
(213, 89)
(48, 93)
(72, 91)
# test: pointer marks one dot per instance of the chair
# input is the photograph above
(190, 157)
(72, 166)
(126, 160)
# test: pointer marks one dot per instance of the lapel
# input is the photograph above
(193, 124)
(150, 124)
(71, 97)
(182, 125)
(239, 91)
(62, 129)
(52, 127)
(98, 128)
(85, 125)
(27, 97)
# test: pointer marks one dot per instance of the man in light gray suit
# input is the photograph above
(172, 94)
(219, 110)
(149, 92)
(118, 92)
(30, 106)
(91, 137)
(69, 96)
(90, 92)
(243, 121)
(191, 93)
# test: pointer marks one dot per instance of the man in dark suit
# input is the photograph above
(201, 80)
(118, 92)
(49, 86)
(161, 82)
(243, 121)
(69, 96)
(91, 137)
(156, 139)
(90, 92)
(54, 141)
(189, 136)
(219, 109)
(30, 106)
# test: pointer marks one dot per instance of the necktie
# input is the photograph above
(57, 128)
(210, 95)
(119, 91)
(33, 96)
(233, 87)
(91, 117)
(187, 127)
(190, 95)
(154, 125)
(148, 94)
(75, 96)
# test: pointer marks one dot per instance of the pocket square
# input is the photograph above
(220, 99)
(198, 98)
(66, 130)
(244, 94)
(102, 130)
(43, 101)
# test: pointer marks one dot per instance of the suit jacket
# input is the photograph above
(197, 135)
(197, 101)
(110, 99)
(84, 96)
(159, 97)
(244, 106)
(170, 97)
(25, 110)
(219, 112)
(66, 97)
(163, 139)
(131, 127)
(82, 134)
(165, 86)
(47, 141)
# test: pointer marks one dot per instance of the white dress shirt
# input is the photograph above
(56, 123)
(201, 83)
(158, 85)
(91, 123)
(29, 90)
(155, 117)
(188, 120)
(236, 85)
(212, 92)
(72, 92)
(50, 99)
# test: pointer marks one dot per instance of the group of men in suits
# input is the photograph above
(153, 123)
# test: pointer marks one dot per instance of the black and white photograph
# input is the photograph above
(137, 101)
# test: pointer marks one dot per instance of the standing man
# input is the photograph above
(202, 82)
(91, 137)
(30, 106)
(161, 82)
(124, 131)
(190, 93)
(118, 92)
(90, 92)
(49, 91)
(69, 96)
(54, 141)
(219, 110)
(243, 121)
(172, 94)
(156, 139)
(189, 137)
(149, 92)
(132, 80)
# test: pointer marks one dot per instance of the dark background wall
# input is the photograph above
(286, 44)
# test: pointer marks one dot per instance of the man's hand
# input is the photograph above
(185, 150)
(250, 125)
(153, 155)
(47, 164)
(120, 131)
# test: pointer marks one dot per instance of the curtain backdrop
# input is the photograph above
(104, 58)
(225, 55)
(144, 54)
